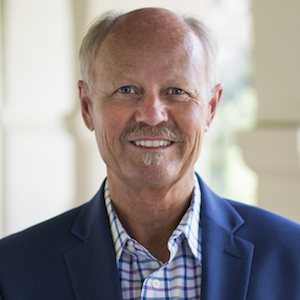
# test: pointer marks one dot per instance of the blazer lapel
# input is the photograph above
(226, 258)
(91, 263)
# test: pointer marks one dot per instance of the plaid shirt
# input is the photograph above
(144, 277)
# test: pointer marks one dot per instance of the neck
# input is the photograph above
(150, 215)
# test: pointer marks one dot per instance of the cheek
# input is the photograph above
(111, 121)
(193, 122)
(193, 127)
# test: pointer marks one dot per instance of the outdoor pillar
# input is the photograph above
(272, 149)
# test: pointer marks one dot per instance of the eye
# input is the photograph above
(176, 91)
(126, 90)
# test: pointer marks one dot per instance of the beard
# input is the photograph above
(152, 159)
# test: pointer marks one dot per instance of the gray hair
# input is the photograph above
(100, 27)
(211, 49)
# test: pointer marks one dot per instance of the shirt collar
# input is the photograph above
(119, 235)
(190, 222)
(189, 225)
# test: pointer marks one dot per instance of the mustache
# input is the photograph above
(152, 131)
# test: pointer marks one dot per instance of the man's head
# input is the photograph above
(147, 94)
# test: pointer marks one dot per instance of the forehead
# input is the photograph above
(150, 34)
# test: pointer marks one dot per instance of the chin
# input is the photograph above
(154, 173)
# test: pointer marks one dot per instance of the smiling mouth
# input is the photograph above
(153, 144)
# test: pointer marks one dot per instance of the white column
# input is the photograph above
(273, 148)
(37, 150)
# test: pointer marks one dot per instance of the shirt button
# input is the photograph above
(131, 248)
(155, 283)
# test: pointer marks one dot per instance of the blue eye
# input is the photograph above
(176, 91)
(126, 90)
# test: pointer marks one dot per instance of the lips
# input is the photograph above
(152, 143)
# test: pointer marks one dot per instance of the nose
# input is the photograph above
(151, 110)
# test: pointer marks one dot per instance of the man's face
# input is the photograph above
(150, 105)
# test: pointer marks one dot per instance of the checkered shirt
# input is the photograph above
(144, 277)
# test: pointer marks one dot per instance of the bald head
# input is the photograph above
(154, 21)
(149, 29)
(150, 33)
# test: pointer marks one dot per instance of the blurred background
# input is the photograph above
(49, 161)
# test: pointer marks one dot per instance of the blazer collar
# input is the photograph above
(92, 263)
(226, 258)
(219, 210)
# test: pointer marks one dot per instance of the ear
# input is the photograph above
(213, 104)
(86, 104)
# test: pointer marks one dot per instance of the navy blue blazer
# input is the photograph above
(248, 253)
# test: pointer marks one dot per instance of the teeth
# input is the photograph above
(154, 144)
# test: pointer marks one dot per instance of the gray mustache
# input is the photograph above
(152, 131)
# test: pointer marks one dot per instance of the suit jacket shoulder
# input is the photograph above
(276, 260)
(68, 257)
(257, 250)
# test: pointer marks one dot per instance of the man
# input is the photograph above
(154, 230)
